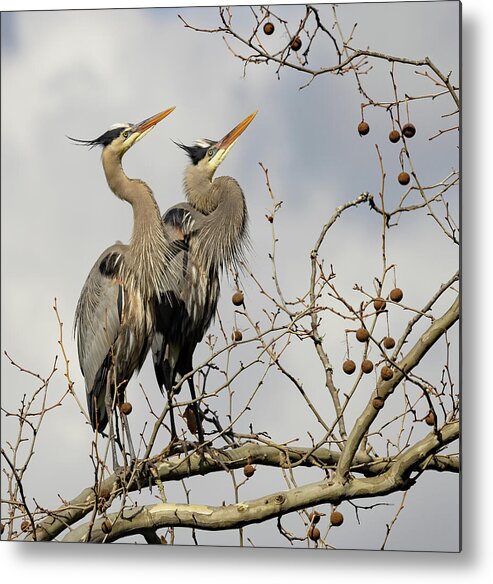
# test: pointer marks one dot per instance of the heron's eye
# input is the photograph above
(211, 152)
(125, 134)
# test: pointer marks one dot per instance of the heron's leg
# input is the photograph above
(174, 435)
(126, 429)
(108, 401)
(196, 411)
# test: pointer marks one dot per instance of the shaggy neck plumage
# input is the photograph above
(222, 239)
(148, 258)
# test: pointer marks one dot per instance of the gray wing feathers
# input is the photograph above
(97, 321)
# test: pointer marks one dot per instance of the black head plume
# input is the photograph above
(198, 150)
(104, 140)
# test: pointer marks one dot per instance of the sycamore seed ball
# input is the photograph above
(378, 402)
(396, 295)
(336, 518)
(408, 130)
(296, 43)
(238, 298)
(126, 408)
(363, 128)
(404, 178)
(394, 136)
(249, 470)
(367, 366)
(314, 533)
(349, 366)
(314, 517)
(386, 373)
(362, 334)
(379, 304)
(268, 28)
(389, 343)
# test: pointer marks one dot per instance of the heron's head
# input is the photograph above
(121, 137)
(206, 155)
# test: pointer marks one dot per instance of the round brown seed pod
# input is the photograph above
(367, 366)
(379, 304)
(394, 136)
(249, 470)
(430, 418)
(106, 526)
(314, 517)
(389, 343)
(396, 295)
(269, 28)
(404, 178)
(363, 128)
(386, 373)
(314, 533)
(408, 130)
(25, 525)
(349, 366)
(336, 518)
(362, 334)
(237, 335)
(238, 298)
(296, 43)
(378, 402)
(126, 408)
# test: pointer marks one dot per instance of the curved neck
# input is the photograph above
(224, 232)
(197, 184)
(148, 254)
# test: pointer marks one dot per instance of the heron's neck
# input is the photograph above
(148, 253)
(199, 191)
(223, 236)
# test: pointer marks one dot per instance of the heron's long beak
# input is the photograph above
(225, 145)
(235, 133)
(149, 123)
(138, 131)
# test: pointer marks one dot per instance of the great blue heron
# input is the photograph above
(212, 227)
(115, 315)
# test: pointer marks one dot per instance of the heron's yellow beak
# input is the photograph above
(149, 123)
(138, 131)
(225, 145)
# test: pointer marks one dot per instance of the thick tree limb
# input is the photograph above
(258, 454)
(138, 520)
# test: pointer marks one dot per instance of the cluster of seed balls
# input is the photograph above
(295, 42)
(408, 130)
(386, 373)
(362, 335)
(336, 519)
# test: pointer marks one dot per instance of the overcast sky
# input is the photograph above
(77, 73)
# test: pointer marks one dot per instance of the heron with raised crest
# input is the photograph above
(211, 228)
(116, 313)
